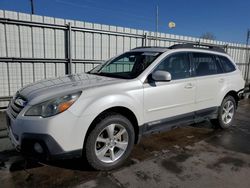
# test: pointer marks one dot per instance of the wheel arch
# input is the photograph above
(234, 94)
(118, 110)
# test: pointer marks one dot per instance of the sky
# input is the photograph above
(228, 20)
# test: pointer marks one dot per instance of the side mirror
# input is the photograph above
(161, 76)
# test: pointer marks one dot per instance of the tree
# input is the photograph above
(208, 35)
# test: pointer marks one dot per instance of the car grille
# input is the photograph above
(15, 108)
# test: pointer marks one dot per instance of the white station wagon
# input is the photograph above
(101, 114)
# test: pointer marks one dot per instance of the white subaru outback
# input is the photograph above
(101, 114)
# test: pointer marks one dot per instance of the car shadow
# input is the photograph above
(71, 164)
(14, 161)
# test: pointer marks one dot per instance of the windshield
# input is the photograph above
(127, 66)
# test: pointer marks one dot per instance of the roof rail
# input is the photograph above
(199, 46)
(160, 47)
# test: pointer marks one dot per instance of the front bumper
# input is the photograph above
(12, 138)
(50, 148)
(61, 136)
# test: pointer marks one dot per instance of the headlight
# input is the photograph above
(53, 106)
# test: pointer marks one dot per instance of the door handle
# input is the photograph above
(221, 80)
(189, 86)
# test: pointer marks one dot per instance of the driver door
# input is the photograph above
(174, 99)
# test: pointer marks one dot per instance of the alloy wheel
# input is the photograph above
(111, 143)
(228, 112)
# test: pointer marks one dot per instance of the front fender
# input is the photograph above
(94, 101)
(107, 102)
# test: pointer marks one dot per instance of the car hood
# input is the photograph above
(46, 89)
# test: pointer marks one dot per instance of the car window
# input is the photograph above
(177, 65)
(226, 64)
(124, 64)
(205, 64)
(128, 65)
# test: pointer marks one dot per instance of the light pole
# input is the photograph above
(32, 6)
(157, 24)
(171, 25)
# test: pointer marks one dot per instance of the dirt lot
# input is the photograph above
(196, 156)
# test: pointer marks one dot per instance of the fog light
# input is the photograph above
(38, 148)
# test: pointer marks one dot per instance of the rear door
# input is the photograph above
(209, 75)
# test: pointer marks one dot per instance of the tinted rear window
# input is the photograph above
(226, 64)
(205, 64)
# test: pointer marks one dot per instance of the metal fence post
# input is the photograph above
(247, 58)
(226, 47)
(145, 38)
(68, 65)
(247, 65)
(248, 71)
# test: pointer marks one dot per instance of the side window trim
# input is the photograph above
(192, 65)
(218, 64)
(217, 58)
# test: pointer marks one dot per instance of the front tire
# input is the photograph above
(110, 142)
(226, 113)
